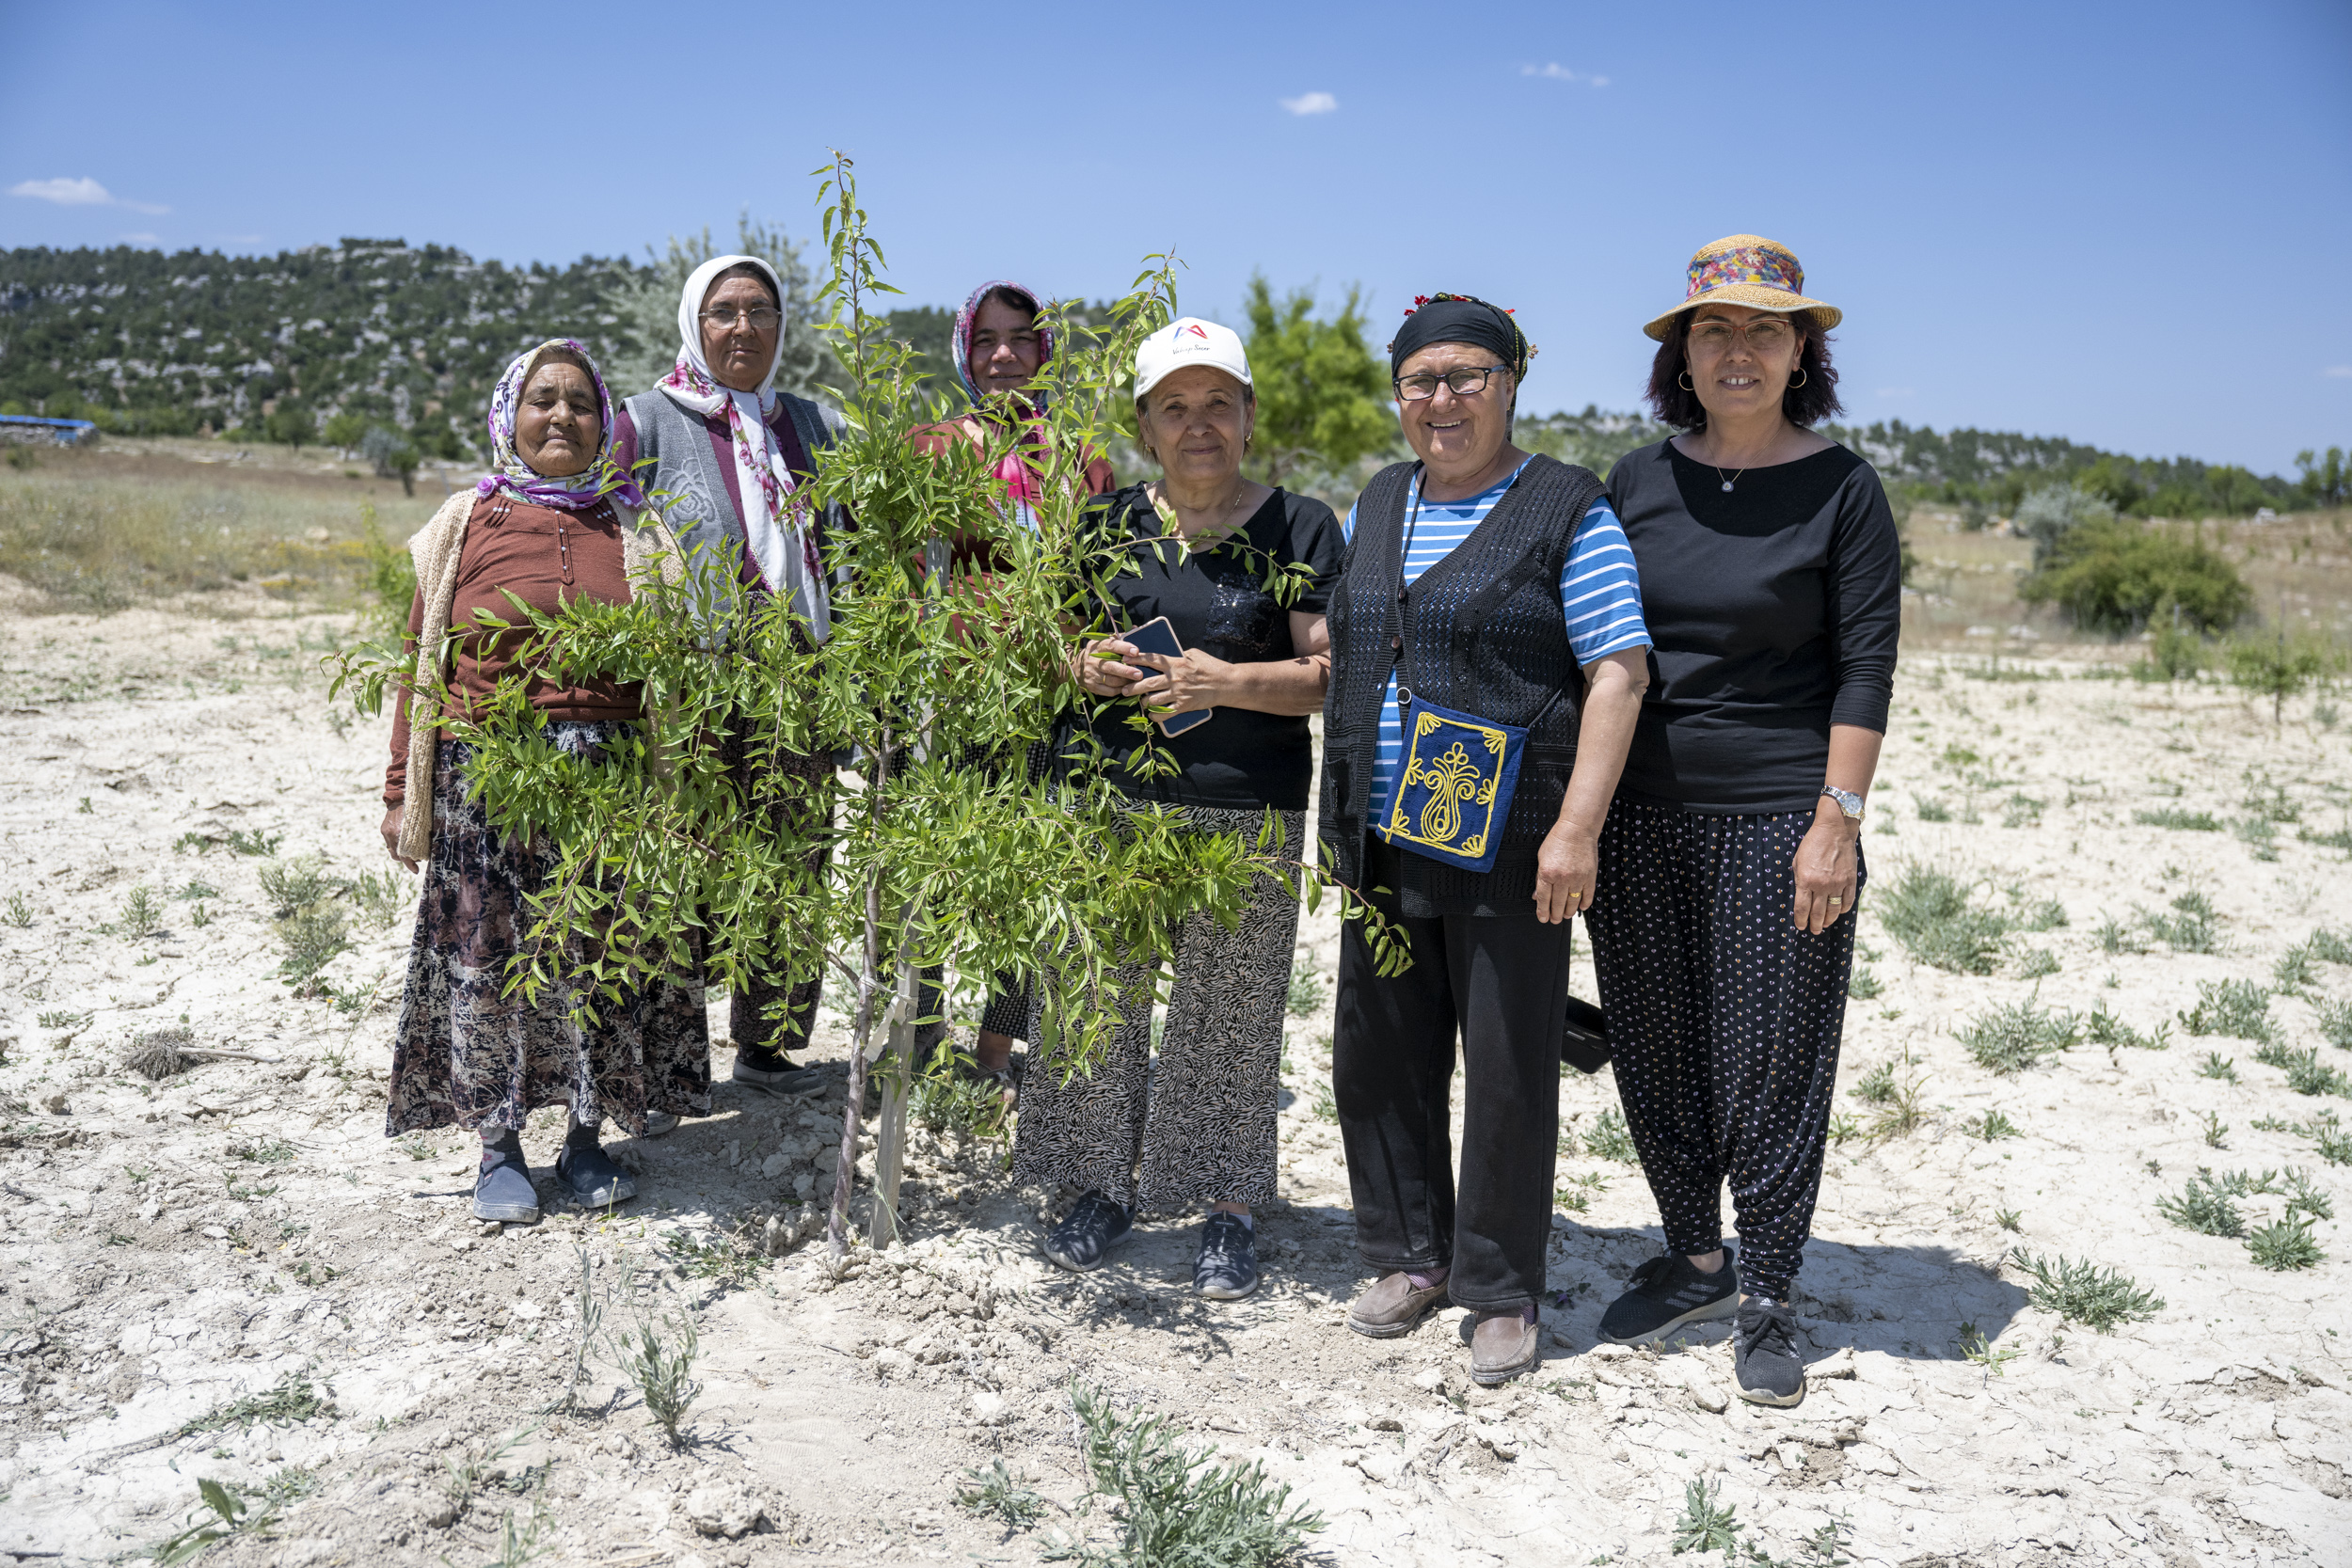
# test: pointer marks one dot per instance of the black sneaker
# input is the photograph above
(1095, 1226)
(1764, 1358)
(758, 1068)
(1667, 1293)
(1226, 1269)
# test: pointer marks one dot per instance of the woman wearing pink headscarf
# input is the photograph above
(997, 348)
(727, 459)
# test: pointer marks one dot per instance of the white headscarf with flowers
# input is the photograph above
(774, 518)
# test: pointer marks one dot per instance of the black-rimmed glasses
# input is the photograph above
(1461, 383)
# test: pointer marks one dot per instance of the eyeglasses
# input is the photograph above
(1765, 335)
(762, 318)
(1462, 382)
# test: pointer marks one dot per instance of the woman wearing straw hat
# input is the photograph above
(1487, 668)
(1723, 932)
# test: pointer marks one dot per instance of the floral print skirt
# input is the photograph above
(465, 1054)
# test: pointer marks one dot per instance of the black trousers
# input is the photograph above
(1723, 1022)
(1500, 983)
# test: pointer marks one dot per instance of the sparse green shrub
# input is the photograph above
(2329, 946)
(1609, 1140)
(2118, 576)
(945, 1101)
(2258, 836)
(2304, 1197)
(2293, 970)
(2202, 1206)
(993, 1494)
(18, 911)
(2035, 963)
(301, 881)
(2238, 1008)
(1876, 1086)
(311, 937)
(1864, 985)
(2009, 1219)
(2218, 1066)
(2116, 936)
(2193, 926)
(2174, 817)
(141, 914)
(2216, 1131)
(2081, 1291)
(1178, 1507)
(381, 896)
(1307, 991)
(1928, 809)
(658, 1357)
(2275, 668)
(2104, 1028)
(1706, 1524)
(2047, 915)
(1928, 911)
(2284, 1244)
(2307, 1074)
(1992, 1127)
(1903, 1112)
(2015, 1037)
(242, 841)
(2022, 811)
(2335, 1022)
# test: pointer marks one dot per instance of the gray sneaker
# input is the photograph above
(593, 1178)
(1667, 1293)
(1095, 1225)
(1764, 1357)
(1227, 1268)
(757, 1067)
(503, 1191)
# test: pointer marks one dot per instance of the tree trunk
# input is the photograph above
(845, 1165)
(890, 1125)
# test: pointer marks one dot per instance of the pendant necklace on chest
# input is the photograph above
(1730, 483)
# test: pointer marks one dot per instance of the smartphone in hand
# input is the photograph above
(1158, 637)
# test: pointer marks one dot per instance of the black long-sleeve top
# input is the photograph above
(1773, 610)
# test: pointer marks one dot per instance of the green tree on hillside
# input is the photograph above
(2322, 479)
(1322, 398)
(2115, 575)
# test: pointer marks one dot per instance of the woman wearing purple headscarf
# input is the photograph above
(556, 520)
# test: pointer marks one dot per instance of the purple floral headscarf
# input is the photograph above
(582, 490)
(959, 341)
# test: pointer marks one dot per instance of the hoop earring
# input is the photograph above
(1683, 381)
(1803, 378)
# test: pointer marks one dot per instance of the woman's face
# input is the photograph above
(1005, 351)
(558, 424)
(1196, 423)
(1740, 360)
(1456, 433)
(740, 324)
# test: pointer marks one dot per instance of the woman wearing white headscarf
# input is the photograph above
(727, 459)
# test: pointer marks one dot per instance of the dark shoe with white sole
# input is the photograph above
(1764, 1358)
(1393, 1306)
(1503, 1345)
(1667, 1294)
(757, 1067)
(1227, 1267)
(503, 1191)
(592, 1177)
(1095, 1225)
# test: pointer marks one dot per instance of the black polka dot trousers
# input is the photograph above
(1723, 1024)
(1500, 985)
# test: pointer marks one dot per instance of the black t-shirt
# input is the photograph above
(1773, 610)
(1217, 602)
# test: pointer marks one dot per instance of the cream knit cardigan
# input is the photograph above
(649, 556)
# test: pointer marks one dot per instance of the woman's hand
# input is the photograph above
(1825, 866)
(1186, 683)
(1567, 868)
(1098, 670)
(391, 837)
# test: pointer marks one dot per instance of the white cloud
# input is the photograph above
(1555, 71)
(1310, 103)
(85, 192)
(2338, 370)
(142, 237)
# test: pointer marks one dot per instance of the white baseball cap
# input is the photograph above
(1187, 341)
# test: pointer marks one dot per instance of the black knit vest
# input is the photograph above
(1484, 632)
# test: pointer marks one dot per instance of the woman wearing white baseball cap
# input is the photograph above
(1199, 1131)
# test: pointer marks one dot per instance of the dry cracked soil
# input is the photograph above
(231, 1274)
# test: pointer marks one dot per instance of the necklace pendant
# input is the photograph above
(1726, 487)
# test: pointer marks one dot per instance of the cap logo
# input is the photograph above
(1195, 328)
(1764, 266)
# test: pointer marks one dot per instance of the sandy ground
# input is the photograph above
(244, 1227)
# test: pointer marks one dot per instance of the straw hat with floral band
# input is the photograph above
(1750, 270)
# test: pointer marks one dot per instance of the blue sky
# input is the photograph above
(2125, 224)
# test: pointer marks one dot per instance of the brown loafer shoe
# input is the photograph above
(1392, 1307)
(1503, 1346)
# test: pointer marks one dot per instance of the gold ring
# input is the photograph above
(1834, 902)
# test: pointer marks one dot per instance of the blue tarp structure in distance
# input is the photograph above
(66, 433)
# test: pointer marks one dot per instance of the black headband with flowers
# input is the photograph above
(1445, 318)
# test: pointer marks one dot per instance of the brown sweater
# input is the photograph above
(544, 557)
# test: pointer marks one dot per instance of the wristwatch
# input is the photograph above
(1848, 801)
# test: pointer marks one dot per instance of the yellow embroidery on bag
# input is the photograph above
(1453, 779)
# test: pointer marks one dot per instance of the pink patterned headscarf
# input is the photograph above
(579, 491)
(1019, 481)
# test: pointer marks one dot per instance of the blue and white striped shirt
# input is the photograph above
(1599, 591)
